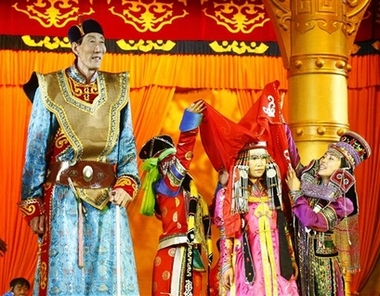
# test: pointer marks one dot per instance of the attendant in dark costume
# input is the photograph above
(80, 172)
(171, 194)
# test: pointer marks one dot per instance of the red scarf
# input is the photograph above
(222, 139)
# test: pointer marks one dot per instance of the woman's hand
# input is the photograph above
(292, 180)
(197, 107)
(227, 278)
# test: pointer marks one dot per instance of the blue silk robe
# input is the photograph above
(58, 272)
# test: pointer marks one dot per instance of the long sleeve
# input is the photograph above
(172, 180)
(42, 126)
(293, 151)
(326, 218)
(39, 132)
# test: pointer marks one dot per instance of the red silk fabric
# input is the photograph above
(222, 138)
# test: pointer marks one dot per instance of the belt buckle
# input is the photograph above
(88, 173)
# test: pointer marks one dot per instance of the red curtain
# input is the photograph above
(161, 87)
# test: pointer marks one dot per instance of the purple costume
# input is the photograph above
(319, 208)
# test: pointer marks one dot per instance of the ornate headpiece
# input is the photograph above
(353, 147)
(254, 145)
(88, 26)
(154, 145)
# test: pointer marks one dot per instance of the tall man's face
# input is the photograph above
(90, 53)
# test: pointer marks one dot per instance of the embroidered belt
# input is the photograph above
(258, 199)
(172, 241)
(84, 174)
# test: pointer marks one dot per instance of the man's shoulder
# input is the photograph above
(113, 77)
(114, 73)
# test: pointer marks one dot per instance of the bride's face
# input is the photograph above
(257, 162)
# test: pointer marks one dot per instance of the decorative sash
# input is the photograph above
(248, 262)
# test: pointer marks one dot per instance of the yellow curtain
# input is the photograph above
(147, 103)
(161, 87)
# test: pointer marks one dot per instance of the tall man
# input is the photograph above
(80, 169)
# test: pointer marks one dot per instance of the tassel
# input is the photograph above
(240, 190)
(150, 166)
(80, 235)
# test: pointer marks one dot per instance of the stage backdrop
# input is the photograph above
(155, 26)
(176, 52)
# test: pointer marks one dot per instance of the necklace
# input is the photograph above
(256, 189)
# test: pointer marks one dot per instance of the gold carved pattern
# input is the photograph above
(318, 131)
(327, 15)
(318, 64)
(238, 17)
(355, 11)
(53, 13)
(281, 12)
(145, 45)
(148, 17)
(238, 47)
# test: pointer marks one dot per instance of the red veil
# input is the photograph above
(222, 138)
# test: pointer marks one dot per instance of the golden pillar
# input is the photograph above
(315, 39)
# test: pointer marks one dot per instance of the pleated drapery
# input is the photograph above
(161, 87)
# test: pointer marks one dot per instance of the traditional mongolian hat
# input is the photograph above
(353, 147)
(152, 153)
(77, 32)
(155, 145)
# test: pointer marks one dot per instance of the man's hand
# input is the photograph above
(38, 224)
(120, 197)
